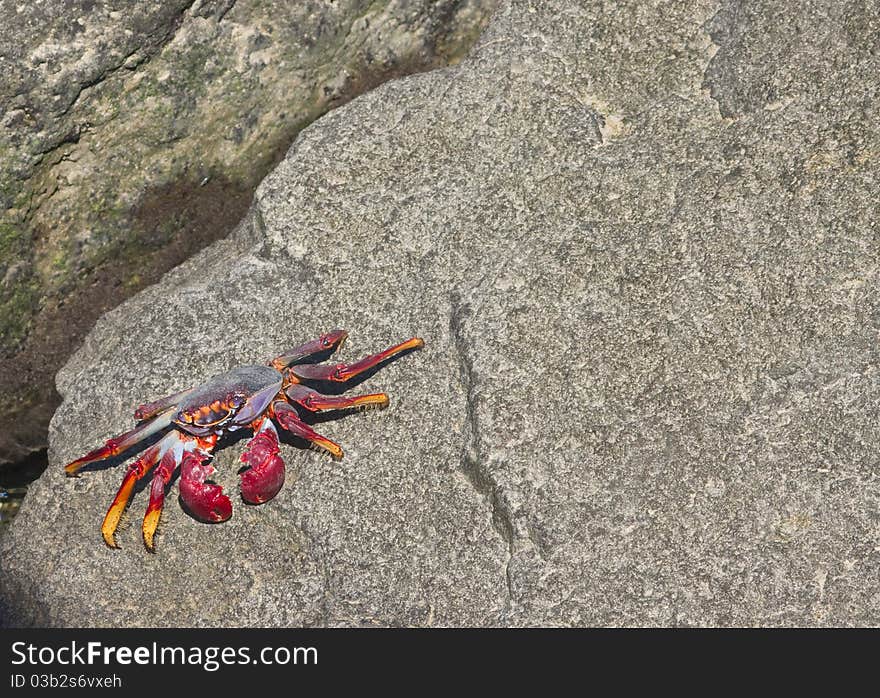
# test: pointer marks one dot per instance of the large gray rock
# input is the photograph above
(132, 134)
(641, 246)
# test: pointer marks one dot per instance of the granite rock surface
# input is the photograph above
(640, 241)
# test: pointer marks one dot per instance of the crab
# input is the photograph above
(256, 397)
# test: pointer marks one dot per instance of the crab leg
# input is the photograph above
(161, 478)
(289, 419)
(134, 473)
(343, 372)
(329, 342)
(121, 443)
(262, 481)
(151, 409)
(316, 402)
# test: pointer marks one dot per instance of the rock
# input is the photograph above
(132, 134)
(647, 283)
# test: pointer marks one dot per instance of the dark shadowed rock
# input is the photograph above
(649, 391)
(132, 135)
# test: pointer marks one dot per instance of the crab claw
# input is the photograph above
(266, 474)
(206, 502)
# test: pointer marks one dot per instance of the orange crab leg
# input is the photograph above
(123, 442)
(289, 420)
(134, 473)
(316, 402)
(161, 477)
(344, 372)
(120, 501)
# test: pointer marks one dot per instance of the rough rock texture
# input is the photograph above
(133, 133)
(641, 244)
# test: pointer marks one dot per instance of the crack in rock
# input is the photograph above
(473, 461)
(150, 50)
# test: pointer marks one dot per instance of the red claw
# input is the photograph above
(266, 474)
(206, 502)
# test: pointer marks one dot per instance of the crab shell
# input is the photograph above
(229, 401)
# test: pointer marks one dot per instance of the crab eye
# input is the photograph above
(325, 341)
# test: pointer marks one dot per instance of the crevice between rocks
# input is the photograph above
(473, 462)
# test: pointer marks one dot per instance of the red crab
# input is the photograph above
(247, 397)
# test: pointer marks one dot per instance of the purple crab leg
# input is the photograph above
(326, 342)
(123, 442)
(288, 418)
(343, 372)
(316, 402)
(151, 409)
(262, 481)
